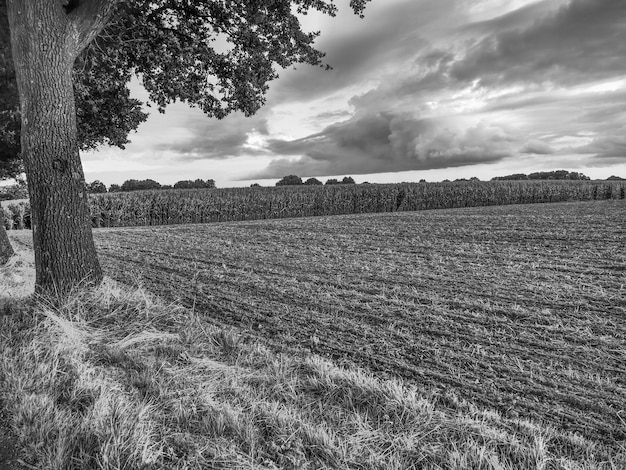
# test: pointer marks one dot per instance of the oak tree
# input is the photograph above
(216, 55)
(105, 113)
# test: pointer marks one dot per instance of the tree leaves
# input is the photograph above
(218, 56)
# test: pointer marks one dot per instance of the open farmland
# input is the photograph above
(517, 308)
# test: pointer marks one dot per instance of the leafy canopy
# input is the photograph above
(105, 112)
(217, 55)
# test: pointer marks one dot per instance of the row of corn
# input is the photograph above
(163, 207)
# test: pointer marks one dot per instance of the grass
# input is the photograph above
(486, 338)
(117, 379)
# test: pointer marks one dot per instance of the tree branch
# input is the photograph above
(87, 18)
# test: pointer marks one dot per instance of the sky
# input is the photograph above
(420, 89)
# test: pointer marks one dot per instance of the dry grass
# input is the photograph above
(17, 276)
(117, 379)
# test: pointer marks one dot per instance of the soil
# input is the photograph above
(514, 308)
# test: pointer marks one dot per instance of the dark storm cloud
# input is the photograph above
(538, 46)
(582, 41)
(387, 142)
(607, 148)
(356, 52)
(604, 112)
(216, 139)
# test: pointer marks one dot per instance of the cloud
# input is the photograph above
(361, 50)
(537, 147)
(331, 115)
(204, 138)
(580, 42)
(536, 48)
(609, 148)
(387, 142)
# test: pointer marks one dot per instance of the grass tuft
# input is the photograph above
(118, 379)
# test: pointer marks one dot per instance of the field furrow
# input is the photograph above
(517, 308)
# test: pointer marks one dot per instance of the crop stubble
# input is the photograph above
(517, 308)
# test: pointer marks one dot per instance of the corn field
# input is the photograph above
(165, 207)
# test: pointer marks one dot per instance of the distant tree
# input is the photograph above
(209, 184)
(474, 178)
(197, 184)
(543, 175)
(255, 185)
(460, 180)
(578, 176)
(313, 182)
(615, 178)
(446, 181)
(422, 181)
(115, 188)
(291, 180)
(548, 175)
(184, 184)
(138, 185)
(557, 175)
(514, 177)
(347, 180)
(166, 186)
(332, 181)
(366, 182)
(96, 187)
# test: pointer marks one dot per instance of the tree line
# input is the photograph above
(545, 175)
(294, 180)
(98, 187)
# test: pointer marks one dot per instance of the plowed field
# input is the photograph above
(517, 308)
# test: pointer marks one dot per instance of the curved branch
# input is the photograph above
(87, 18)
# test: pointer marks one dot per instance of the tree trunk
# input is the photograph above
(45, 43)
(6, 250)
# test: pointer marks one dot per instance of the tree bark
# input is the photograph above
(6, 250)
(46, 39)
